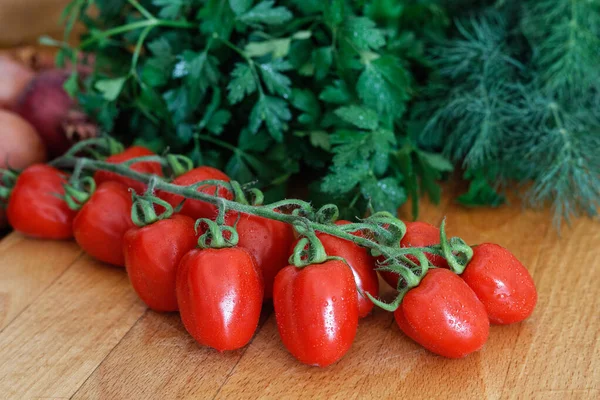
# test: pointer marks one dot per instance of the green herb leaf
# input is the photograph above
(242, 84)
(110, 88)
(306, 101)
(218, 121)
(384, 85)
(170, 9)
(265, 13)
(338, 93)
(344, 179)
(322, 59)
(362, 117)
(275, 82)
(240, 6)
(274, 112)
(385, 194)
(363, 33)
(277, 47)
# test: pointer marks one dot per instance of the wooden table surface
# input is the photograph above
(71, 327)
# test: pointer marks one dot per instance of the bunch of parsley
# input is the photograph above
(270, 91)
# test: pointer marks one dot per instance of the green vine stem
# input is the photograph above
(78, 192)
(456, 251)
(143, 210)
(381, 232)
(302, 210)
(215, 237)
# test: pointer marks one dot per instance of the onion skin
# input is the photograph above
(52, 112)
(20, 146)
(14, 77)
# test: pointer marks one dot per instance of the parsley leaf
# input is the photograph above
(274, 112)
(363, 33)
(275, 82)
(385, 194)
(110, 88)
(361, 117)
(265, 13)
(385, 86)
(170, 9)
(240, 6)
(242, 84)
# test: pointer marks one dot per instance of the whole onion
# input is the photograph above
(53, 113)
(14, 76)
(21, 146)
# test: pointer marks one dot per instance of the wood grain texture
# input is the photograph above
(81, 336)
(53, 346)
(27, 268)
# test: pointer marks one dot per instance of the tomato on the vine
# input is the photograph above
(418, 234)
(152, 256)
(144, 167)
(317, 311)
(35, 207)
(196, 208)
(502, 283)
(101, 223)
(361, 263)
(220, 294)
(268, 241)
(444, 315)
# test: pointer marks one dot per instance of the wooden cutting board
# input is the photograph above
(71, 327)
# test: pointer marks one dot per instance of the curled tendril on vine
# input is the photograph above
(216, 236)
(381, 232)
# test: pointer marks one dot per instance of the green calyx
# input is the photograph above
(380, 233)
(179, 164)
(456, 251)
(143, 211)
(217, 236)
(78, 191)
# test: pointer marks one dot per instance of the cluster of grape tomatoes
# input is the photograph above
(219, 292)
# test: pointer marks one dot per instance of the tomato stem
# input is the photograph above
(381, 232)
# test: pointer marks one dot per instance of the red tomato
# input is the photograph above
(220, 294)
(317, 311)
(444, 315)
(196, 208)
(502, 283)
(144, 167)
(418, 234)
(34, 208)
(101, 223)
(152, 256)
(362, 264)
(268, 241)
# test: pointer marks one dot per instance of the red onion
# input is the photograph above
(53, 113)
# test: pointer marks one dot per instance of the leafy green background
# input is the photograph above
(365, 102)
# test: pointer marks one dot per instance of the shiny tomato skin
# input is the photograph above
(196, 208)
(361, 263)
(418, 234)
(34, 208)
(501, 283)
(101, 223)
(444, 315)
(268, 241)
(152, 256)
(144, 167)
(317, 311)
(220, 294)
